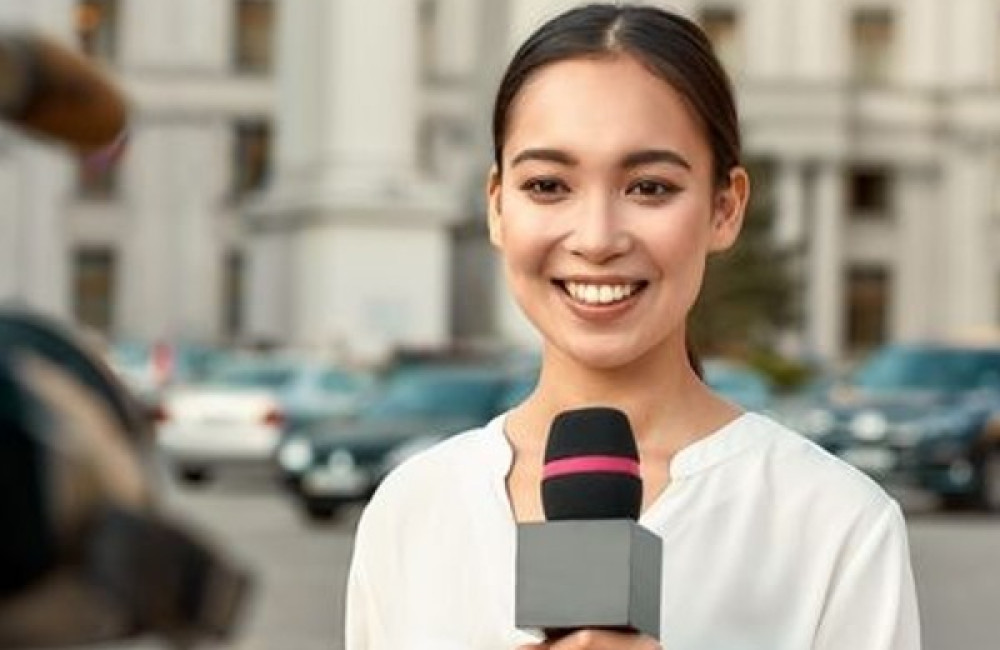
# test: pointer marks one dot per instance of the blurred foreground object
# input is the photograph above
(85, 556)
(50, 91)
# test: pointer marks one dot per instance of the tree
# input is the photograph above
(749, 295)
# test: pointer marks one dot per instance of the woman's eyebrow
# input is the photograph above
(650, 156)
(545, 155)
(630, 160)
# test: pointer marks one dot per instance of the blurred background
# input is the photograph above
(289, 265)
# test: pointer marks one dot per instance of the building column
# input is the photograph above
(45, 182)
(922, 54)
(789, 224)
(968, 299)
(147, 291)
(970, 34)
(268, 307)
(769, 28)
(820, 51)
(916, 278)
(370, 89)
(825, 275)
(198, 153)
(366, 233)
(789, 235)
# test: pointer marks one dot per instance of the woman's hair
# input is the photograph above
(670, 46)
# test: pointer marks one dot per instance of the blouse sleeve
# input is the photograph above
(872, 603)
(355, 613)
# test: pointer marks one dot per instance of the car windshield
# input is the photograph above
(129, 354)
(253, 375)
(728, 381)
(930, 368)
(436, 393)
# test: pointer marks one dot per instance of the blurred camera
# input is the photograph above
(86, 556)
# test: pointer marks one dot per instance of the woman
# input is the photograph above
(617, 172)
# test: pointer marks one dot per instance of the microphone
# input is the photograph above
(590, 565)
(591, 467)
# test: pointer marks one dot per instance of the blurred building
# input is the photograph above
(877, 118)
(362, 224)
(152, 248)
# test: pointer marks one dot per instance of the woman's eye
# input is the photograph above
(652, 189)
(547, 187)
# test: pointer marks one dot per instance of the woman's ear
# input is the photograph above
(494, 207)
(729, 208)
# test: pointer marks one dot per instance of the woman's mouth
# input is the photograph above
(594, 294)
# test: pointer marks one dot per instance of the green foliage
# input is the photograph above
(749, 294)
(786, 374)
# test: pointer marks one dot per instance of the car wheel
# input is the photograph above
(193, 476)
(985, 496)
(321, 509)
(989, 480)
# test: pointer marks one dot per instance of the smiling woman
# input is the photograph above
(605, 215)
(616, 175)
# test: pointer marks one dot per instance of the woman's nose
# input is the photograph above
(597, 232)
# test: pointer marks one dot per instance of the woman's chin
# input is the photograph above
(603, 356)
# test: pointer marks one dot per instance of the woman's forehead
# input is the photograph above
(602, 105)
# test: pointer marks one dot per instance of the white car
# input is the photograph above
(239, 415)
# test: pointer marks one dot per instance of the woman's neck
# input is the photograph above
(667, 404)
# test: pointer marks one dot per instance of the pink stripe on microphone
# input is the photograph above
(586, 464)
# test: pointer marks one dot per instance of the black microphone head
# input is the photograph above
(591, 467)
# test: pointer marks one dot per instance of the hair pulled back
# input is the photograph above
(670, 46)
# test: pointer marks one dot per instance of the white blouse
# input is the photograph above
(769, 543)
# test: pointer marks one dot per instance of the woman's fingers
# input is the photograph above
(598, 640)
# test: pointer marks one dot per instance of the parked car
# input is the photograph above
(922, 415)
(738, 383)
(238, 415)
(522, 382)
(341, 460)
(149, 369)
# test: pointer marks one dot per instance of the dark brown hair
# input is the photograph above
(670, 46)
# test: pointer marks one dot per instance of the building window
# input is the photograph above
(872, 44)
(254, 36)
(721, 25)
(867, 307)
(232, 294)
(870, 193)
(251, 156)
(97, 28)
(94, 277)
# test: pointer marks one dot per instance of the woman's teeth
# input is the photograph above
(600, 294)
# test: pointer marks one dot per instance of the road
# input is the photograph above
(301, 569)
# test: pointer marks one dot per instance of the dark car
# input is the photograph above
(926, 416)
(341, 460)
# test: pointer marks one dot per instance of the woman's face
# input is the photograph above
(605, 209)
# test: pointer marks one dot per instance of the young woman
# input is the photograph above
(617, 173)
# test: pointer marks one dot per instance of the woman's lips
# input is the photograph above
(600, 300)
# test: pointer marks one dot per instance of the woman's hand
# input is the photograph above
(598, 640)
